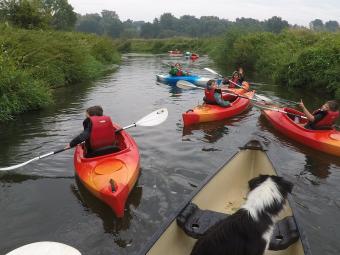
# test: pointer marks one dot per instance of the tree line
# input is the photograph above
(59, 15)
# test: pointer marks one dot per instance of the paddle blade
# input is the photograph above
(186, 85)
(153, 119)
(263, 98)
(45, 248)
(212, 71)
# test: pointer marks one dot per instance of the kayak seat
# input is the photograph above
(102, 151)
(196, 222)
(285, 233)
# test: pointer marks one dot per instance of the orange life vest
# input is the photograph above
(210, 96)
(102, 132)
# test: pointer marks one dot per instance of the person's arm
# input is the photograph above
(219, 100)
(83, 136)
(309, 116)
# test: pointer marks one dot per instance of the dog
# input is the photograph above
(248, 230)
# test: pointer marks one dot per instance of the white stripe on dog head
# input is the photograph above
(261, 197)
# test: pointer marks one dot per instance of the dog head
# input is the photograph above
(284, 187)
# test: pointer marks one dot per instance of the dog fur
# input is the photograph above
(248, 231)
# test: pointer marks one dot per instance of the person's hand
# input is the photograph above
(67, 147)
(301, 104)
(240, 71)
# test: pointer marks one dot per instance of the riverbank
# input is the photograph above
(298, 58)
(34, 62)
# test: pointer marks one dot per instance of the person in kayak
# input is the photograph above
(176, 70)
(213, 95)
(98, 134)
(236, 79)
(323, 118)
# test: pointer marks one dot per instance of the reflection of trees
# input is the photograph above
(317, 167)
(111, 223)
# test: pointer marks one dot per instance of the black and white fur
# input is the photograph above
(248, 231)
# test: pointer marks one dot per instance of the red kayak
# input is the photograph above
(110, 177)
(324, 140)
(208, 112)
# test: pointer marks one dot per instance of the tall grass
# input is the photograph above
(33, 62)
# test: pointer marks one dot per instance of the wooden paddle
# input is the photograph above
(153, 119)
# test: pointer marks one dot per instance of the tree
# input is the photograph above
(332, 26)
(275, 24)
(90, 23)
(24, 13)
(111, 23)
(63, 16)
(316, 25)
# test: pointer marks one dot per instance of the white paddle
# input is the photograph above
(262, 98)
(188, 85)
(45, 248)
(153, 119)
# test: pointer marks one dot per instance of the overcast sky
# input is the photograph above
(299, 12)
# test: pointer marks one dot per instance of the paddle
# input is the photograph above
(188, 85)
(153, 119)
(45, 248)
(263, 98)
(279, 110)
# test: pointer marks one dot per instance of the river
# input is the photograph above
(44, 200)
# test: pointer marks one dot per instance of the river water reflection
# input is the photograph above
(45, 201)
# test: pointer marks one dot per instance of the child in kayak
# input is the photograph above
(323, 118)
(98, 134)
(236, 79)
(213, 95)
(176, 70)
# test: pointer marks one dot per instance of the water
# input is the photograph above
(44, 200)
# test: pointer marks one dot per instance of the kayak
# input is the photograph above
(172, 80)
(324, 140)
(209, 112)
(174, 53)
(194, 56)
(223, 193)
(240, 91)
(110, 177)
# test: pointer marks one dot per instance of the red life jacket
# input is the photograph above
(179, 72)
(102, 132)
(328, 120)
(209, 96)
(232, 83)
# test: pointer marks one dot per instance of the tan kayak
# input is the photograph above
(224, 193)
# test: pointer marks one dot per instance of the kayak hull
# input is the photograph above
(327, 141)
(224, 192)
(208, 112)
(110, 177)
(172, 80)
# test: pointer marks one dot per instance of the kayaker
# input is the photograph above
(176, 70)
(236, 78)
(213, 95)
(323, 118)
(98, 134)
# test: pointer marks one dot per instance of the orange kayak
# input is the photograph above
(208, 112)
(239, 91)
(323, 140)
(110, 177)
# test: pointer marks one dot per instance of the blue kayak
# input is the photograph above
(172, 80)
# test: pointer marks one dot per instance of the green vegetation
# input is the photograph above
(296, 58)
(33, 62)
(159, 46)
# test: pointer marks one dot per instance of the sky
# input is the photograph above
(299, 12)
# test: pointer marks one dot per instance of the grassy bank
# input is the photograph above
(159, 46)
(34, 62)
(294, 58)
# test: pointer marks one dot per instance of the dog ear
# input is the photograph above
(255, 182)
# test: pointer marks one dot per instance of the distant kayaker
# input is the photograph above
(98, 134)
(213, 95)
(176, 70)
(323, 118)
(236, 79)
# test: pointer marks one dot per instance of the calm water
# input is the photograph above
(44, 200)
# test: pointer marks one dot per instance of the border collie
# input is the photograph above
(248, 231)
